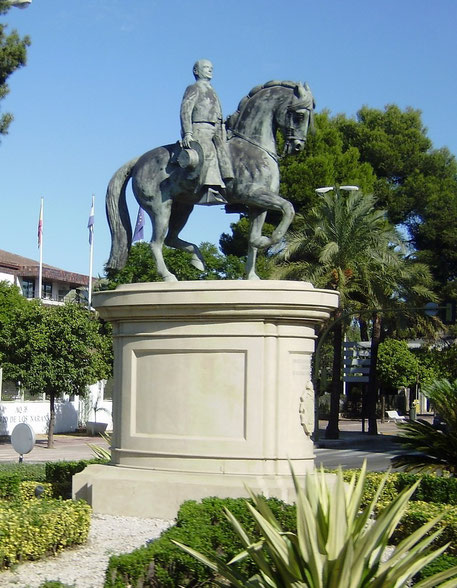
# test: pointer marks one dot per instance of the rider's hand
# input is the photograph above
(186, 140)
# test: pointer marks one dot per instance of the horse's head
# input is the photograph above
(298, 119)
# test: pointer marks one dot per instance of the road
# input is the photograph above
(353, 458)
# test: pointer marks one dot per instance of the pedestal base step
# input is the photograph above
(135, 492)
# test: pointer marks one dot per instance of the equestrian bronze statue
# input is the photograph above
(169, 181)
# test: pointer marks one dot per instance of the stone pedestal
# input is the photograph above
(212, 391)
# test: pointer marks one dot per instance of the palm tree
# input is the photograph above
(432, 449)
(345, 244)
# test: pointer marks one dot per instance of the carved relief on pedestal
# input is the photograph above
(306, 409)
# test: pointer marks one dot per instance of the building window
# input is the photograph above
(62, 293)
(28, 288)
(46, 290)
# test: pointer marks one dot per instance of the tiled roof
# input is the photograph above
(24, 267)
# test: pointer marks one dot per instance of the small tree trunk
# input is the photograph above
(52, 420)
(372, 384)
(363, 330)
(332, 431)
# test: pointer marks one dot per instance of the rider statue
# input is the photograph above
(201, 121)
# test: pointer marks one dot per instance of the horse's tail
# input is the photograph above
(118, 216)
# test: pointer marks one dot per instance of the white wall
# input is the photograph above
(69, 415)
(36, 414)
(7, 278)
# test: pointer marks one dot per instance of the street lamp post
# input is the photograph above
(326, 189)
(20, 3)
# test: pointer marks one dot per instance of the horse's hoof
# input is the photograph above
(197, 264)
(170, 278)
(252, 276)
(261, 242)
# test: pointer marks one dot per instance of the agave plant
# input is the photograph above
(432, 449)
(99, 451)
(337, 544)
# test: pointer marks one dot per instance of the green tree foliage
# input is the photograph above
(10, 298)
(441, 360)
(432, 449)
(325, 161)
(388, 153)
(344, 244)
(397, 366)
(140, 266)
(13, 53)
(237, 242)
(55, 350)
(414, 182)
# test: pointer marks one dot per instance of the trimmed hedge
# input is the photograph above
(25, 471)
(441, 563)
(419, 513)
(436, 489)
(60, 474)
(11, 476)
(34, 528)
(27, 490)
(202, 526)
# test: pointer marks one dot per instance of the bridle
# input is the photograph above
(305, 103)
(293, 109)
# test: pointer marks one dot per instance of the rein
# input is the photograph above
(258, 145)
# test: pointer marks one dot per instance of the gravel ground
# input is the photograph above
(85, 566)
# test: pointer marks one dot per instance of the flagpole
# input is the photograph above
(91, 252)
(40, 246)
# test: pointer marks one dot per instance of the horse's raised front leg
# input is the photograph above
(270, 201)
(179, 214)
(257, 218)
(160, 219)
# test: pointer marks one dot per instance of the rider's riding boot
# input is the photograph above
(212, 196)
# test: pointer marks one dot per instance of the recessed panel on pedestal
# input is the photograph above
(192, 394)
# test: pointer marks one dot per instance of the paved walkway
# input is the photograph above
(74, 447)
(351, 435)
(66, 448)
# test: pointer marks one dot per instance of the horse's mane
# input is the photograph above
(233, 118)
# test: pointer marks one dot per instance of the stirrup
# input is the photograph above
(212, 197)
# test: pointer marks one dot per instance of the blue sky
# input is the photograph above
(105, 78)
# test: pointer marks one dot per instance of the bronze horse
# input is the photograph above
(166, 191)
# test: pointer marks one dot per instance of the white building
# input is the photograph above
(57, 285)
(16, 405)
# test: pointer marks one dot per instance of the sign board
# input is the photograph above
(356, 361)
(23, 438)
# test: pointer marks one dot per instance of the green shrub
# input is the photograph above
(25, 471)
(418, 513)
(27, 490)
(34, 528)
(11, 475)
(9, 486)
(202, 525)
(441, 563)
(335, 543)
(60, 474)
(438, 489)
